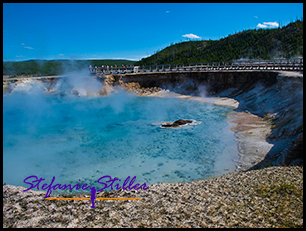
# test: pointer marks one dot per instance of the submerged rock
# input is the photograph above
(179, 123)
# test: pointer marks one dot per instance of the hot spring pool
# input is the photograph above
(80, 139)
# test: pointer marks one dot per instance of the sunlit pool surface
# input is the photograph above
(80, 139)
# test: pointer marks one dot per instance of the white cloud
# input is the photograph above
(19, 56)
(272, 24)
(261, 25)
(268, 25)
(23, 44)
(167, 11)
(191, 36)
(255, 17)
(61, 54)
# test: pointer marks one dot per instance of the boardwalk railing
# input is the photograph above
(278, 64)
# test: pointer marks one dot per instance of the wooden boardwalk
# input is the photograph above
(286, 65)
(262, 65)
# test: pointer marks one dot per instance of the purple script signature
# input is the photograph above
(34, 181)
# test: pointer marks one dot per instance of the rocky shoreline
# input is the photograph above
(269, 197)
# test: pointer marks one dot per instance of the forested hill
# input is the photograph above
(253, 44)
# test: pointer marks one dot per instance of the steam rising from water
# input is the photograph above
(83, 84)
(85, 138)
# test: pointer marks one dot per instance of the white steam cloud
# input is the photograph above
(82, 84)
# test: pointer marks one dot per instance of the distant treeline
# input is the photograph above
(265, 44)
(56, 67)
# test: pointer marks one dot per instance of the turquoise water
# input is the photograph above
(80, 139)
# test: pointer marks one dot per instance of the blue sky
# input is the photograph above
(127, 30)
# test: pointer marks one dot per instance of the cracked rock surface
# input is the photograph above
(269, 197)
